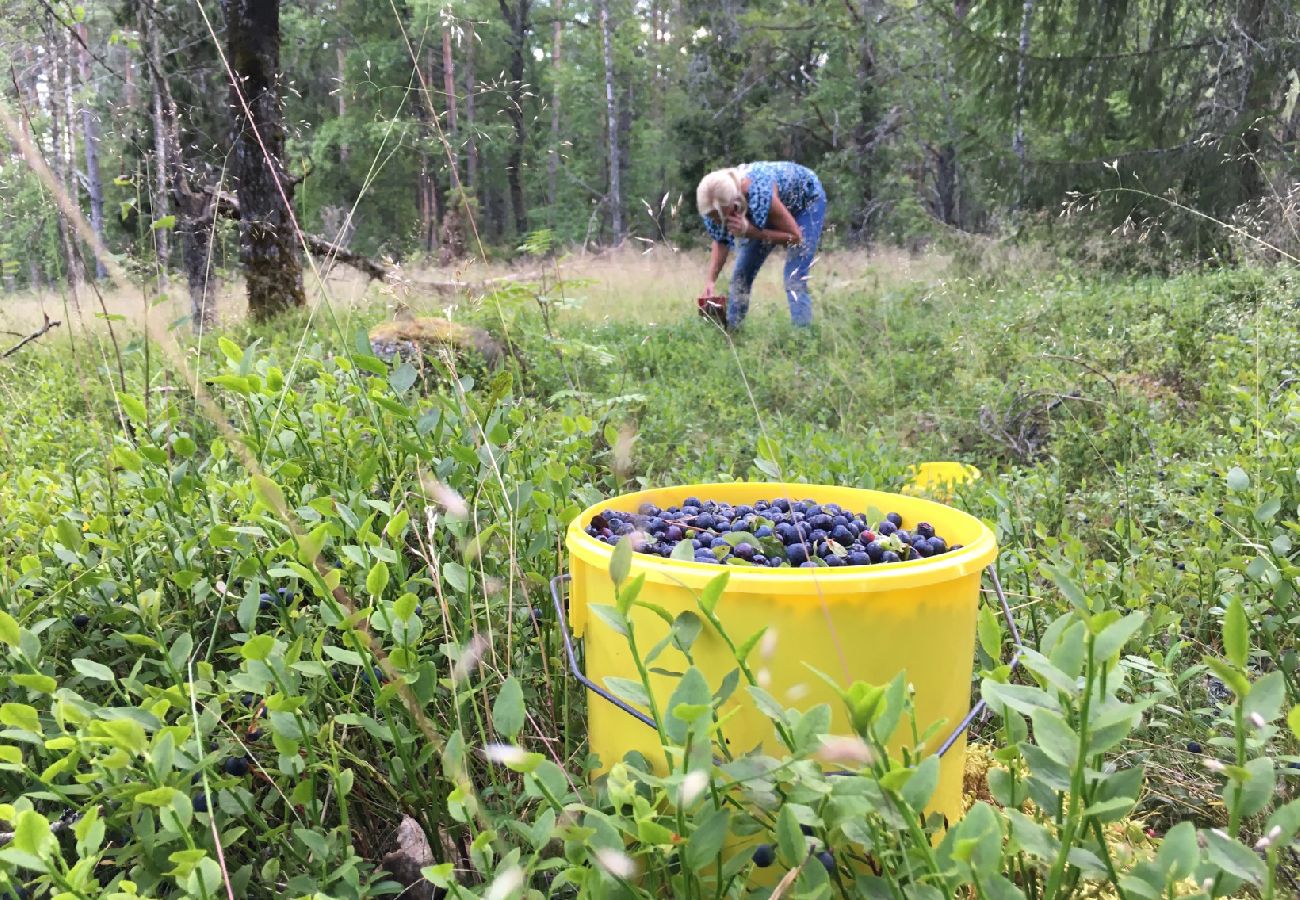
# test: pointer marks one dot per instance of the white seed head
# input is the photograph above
(796, 692)
(504, 754)
(507, 884)
(1214, 765)
(764, 678)
(694, 784)
(470, 654)
(767, 644)
(618, 864)
(1257, 720)
(845, 751)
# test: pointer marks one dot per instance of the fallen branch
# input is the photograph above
(55, 323)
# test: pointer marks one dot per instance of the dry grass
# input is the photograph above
(646, 287)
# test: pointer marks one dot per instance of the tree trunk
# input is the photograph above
(947, 178)
(449, 88)
(162, 161)
(611, 114)
(62, 150)
(471, 88)
(90, 136)
(868, 119)
(194, 229)
(341, 55)
(516, 17)
(268, 245)
(553, 161)
(1018, 140)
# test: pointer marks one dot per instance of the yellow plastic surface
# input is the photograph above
(937, 479)
(853, 623)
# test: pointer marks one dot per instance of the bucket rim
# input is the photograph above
(971, 559)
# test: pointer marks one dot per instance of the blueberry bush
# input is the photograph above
(268, 603)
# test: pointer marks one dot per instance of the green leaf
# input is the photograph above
(508, 710)
(401, 378)
(258, 647)
(692, 689)
(789, 837)
(1055, 737)
(1176, 859)
(1228, 675)
(713, 591)
(684, 551)
(1115, 635)
(269, 493)
(231, 350)
(1256, 790)
(1238, 480)
(1267, 510)
(32, 833)
(133, 407)
(377, 579)
(705, 842)
(163, 223)
(92, 669)
(35, 681)
(1232, 857)
(627, 689)
(610, 616)
(1293, 720)
(921, 785)
(20, 715)
(160, 796)
(1266, 697)
(10, 633)
(455, 575)
(1236, 634)
(620, 561)
(990, 633)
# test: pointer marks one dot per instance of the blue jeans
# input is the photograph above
(798, 262)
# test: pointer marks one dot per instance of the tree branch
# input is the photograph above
(49, 323)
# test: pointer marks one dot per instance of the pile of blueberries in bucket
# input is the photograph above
(771, 533)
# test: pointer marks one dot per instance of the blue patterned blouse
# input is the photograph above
(796, 185)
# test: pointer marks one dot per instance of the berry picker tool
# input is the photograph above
(713, 307)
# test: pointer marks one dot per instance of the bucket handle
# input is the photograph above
(576, 671)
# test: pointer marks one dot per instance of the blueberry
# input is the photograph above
(875, 551)
(81, 620)
(925, 529)
(840, 519)
(809, 564)
(937, 545)
(704, 520)
(744, 551)
(808, 830)
(1180, 566)
(895, 518)
(799, 507)
(236, 765)
(812, 509)
(764, 855)
(885, 529)
(834, 561)
(774, 562)
(842, 535)
(696, 543)
(782, 504)
(248, 700)
(889, 556)
(286, 595)
(797, 554)
(648, 509)
(923, 548)
(673, 533)
(956, 547)
(200, 802)
(722, 527)
(763, 531)
(691, 501)
(1193, 747)
(654, 523)
(266, 601)
(744, 510)
(859, 558)
(827, 860)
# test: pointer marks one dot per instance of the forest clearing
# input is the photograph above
(392, 505)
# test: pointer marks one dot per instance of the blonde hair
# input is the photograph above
(720, 192)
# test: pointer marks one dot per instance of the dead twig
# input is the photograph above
(49, 323)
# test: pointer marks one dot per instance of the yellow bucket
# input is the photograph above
(854, 624)
(937, 479)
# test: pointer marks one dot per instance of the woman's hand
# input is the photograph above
(708, 290)
(740, 226)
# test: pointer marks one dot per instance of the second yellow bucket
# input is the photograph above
(854, 624)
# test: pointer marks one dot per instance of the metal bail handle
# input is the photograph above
(644, 719)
